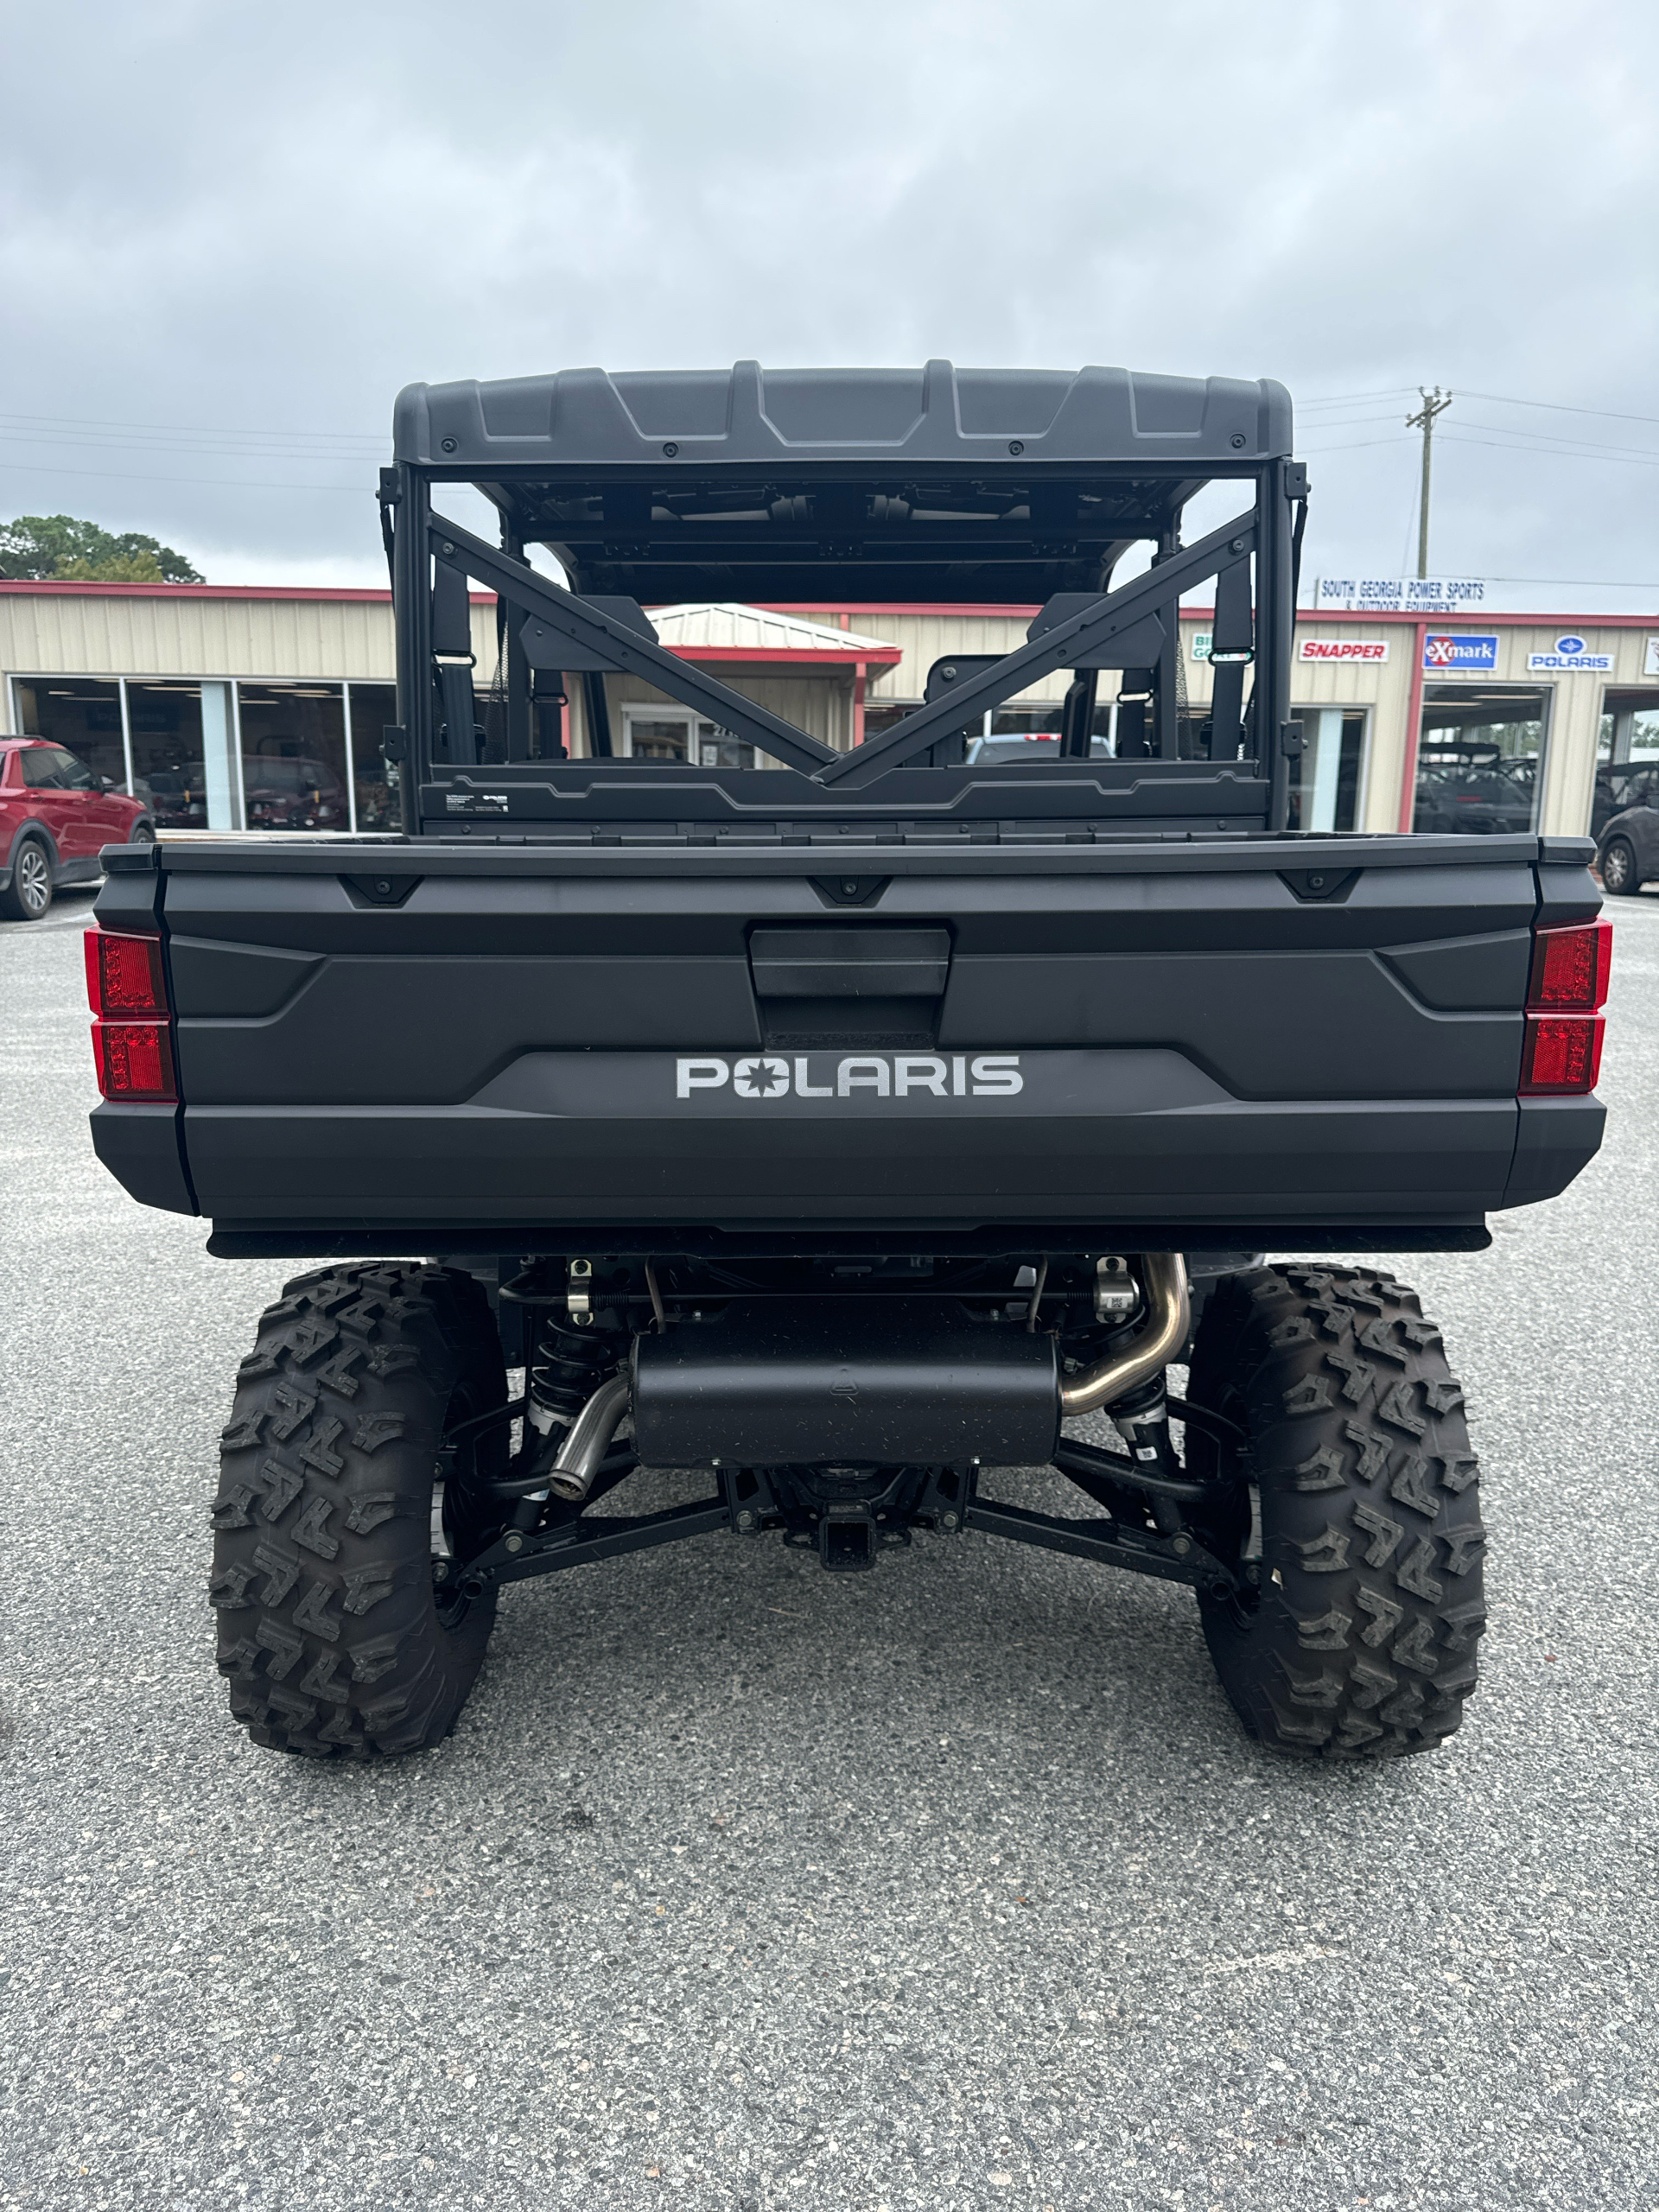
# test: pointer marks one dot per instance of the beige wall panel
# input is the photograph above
(1384, 689)
(927, 638)
(821, 704)
(99, 636)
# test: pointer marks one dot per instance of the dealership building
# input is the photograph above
(233, 708)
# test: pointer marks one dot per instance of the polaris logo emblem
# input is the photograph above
(879, 1075)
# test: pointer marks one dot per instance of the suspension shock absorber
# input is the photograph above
(566, 1367)
(1140, 1417)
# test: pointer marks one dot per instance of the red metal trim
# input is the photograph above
(1413, 727)
(851, 606)
(1305, 616)
(70, 588)
(808, 655)
(1476, 619)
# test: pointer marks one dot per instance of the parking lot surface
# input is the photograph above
(744, 1886)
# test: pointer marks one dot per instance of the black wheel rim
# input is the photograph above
(459, 1508)
(1231, 1528)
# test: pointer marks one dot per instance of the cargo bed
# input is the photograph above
(1167, 1038)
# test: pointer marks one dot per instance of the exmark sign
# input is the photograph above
(1460, 653)
(860, 1076)
(1570, 658)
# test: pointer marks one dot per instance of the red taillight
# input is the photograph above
(1560, 1053)
(132, 1037)
(1569, 968)
(134, 1062)
(123, 974)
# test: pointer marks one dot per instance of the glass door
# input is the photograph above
(1327, 776)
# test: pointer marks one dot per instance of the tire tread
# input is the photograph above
(1361, 1640)
(329, 1632)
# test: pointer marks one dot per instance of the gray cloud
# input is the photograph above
(260, 222)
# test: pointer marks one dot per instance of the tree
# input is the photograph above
(40, 548)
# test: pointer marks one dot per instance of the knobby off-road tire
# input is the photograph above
(335, 1638)
(1359, 1637)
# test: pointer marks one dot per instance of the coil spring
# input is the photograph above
(569, 1366)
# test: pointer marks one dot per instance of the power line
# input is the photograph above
(1356, 445)
(1556, 452)
(194, 429)
(1559, 443)
(1560, 407)
(1349, 422)
(60, 442)
(219, 483)
(1501, 398)
(1347, 398)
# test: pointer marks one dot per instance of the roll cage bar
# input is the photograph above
(1231, 772)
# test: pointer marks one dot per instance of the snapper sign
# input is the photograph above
(1340, 652)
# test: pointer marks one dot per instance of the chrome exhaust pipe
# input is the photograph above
(1169, 1316)
(587, 1440)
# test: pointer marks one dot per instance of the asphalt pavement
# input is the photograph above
(742, 1887)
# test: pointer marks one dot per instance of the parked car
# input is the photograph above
(1011, 747)
(1628, 853)
(56, 816)
(1624, 784)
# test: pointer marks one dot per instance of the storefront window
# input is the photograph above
(1480, 760)
(79, 713)
(657, 732)
(1627, 759)
(293, 756)
(374, 708)
(168, 769)
(1325, 775)
(718, 749)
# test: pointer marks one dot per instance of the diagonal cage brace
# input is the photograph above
(613, 642)
(1064, 646)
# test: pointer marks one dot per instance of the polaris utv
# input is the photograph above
(841, 1120)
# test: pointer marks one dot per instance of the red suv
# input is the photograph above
(55, 817)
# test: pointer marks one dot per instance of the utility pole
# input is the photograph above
(1434, 403)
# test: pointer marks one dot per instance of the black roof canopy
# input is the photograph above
(969, 485)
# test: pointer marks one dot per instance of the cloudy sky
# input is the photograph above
(233, 231)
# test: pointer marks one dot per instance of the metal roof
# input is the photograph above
(727, 627)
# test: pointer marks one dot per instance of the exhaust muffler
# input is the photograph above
(890, 1381)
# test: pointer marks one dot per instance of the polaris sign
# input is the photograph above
(868, 1075)
(1570, 658)
(1459, 652)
